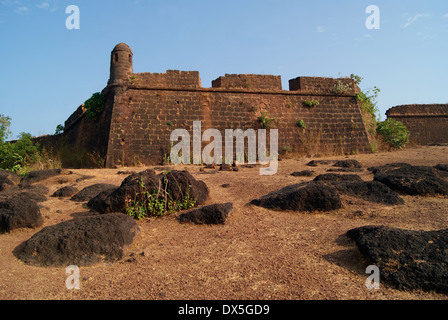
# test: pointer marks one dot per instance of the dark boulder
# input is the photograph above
(34, 192)
(388, 167)
(442, 167)
(413, 180)
(39, 175)
(334, 177)
(225, 167)
(345, 170)
(181, 183)
(406, 259)
(174, 185)
(19, 211)
(350, 163)
(8, 179)
(132, 188)
(353, 185)
(308, 197)
(99, 203)
(442, 170)
(315, 163)
(64, 192)
(92, 191)
(372, 191)
(303, 173)
(80, 241)
(211, 214)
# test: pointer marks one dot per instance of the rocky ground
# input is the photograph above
(258, 253)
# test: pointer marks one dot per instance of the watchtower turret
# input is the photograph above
(120, 64)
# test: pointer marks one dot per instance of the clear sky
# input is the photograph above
(47, 70)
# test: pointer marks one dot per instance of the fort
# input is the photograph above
(427, 123)
(142, 109)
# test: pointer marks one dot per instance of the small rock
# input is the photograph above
(350, 163)
(225, 167)
(65, 192)
(304, 173)
(211, 214)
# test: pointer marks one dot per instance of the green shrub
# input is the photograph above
(59, 129)
(95, 105)
(394, 133)
(311, 103)
(18, 156)
(157, 202)
(368, 102)
(301, 124)
(340, 88)
(265, 121)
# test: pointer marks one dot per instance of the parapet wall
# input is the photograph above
(428, 124)
(323, 85)
(248, 82)
(170, 79)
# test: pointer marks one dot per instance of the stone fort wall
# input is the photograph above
(142, 109)
(428, 124)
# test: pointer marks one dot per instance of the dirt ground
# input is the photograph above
(258, 254)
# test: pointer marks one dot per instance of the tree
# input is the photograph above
(5, 123)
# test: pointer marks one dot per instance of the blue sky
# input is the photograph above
(47, 70)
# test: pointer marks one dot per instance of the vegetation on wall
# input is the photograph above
(340, 88)
(265, 121)
(59, 129)
(389, 132)
(95, 105)
(311, 103)
(301, 124)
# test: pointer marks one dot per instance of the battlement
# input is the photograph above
(170, 79)
(323, 85)
(248, 82)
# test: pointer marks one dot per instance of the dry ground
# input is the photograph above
(258, 254)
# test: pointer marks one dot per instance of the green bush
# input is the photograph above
(311, 103)
(301, 124)
(59, 129)
(265, 121)
(20, 155)
(95, 105)
(394, 133)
